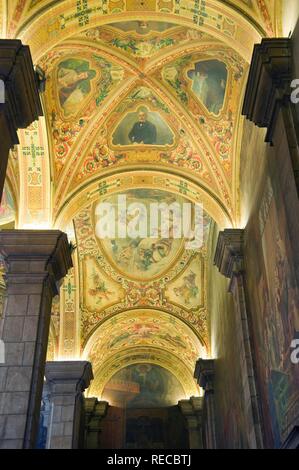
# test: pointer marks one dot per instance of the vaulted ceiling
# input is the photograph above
(184, 63)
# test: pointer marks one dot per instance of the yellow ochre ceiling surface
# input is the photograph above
(184, 63)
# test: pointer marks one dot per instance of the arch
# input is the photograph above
(158, 321)
(121, 179)
(53, 24)
(164, 340)
(142, 355)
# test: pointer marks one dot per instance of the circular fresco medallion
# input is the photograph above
(132, 237)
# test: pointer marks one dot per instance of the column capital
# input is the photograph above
(40, 250)
(229, 252)
(186, 407)
(268, 83)
(68, 376)
(197, 403)
(204, 373)
(192, 411)
(22, 104)
(96, 408)
(191, 406)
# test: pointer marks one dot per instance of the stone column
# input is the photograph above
(229, 260)
(67, 381)
(22, 103)
(192, 410)
(204, 373)
(36, 261)
(95, 411)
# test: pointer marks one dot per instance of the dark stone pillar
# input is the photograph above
(36, 261)
(229, 260)
(204, 373)
(67, 381)
(268, 93)
(95, 411)
(22, 103)
(192, 411)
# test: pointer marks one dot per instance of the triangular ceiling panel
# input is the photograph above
(78, 84)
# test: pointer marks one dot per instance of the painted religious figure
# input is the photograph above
(209, 79)
(277, 324)
(188, 289)
(100, 289)
(142, 257)
(74, 84)
(143, 386)
(143, 127)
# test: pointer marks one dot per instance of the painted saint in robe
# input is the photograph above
(74, 84)
(209, 83)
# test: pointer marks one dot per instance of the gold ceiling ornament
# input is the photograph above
(99, 291)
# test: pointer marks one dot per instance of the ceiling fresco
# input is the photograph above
(142, 258)
(121, 274)
(141, 100)
(77, 87)
(190, 101)
(142, 40)
(143, 328)
(124, 308)
(259, 11)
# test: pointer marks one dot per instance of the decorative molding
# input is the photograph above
(268, 86)
(229, 252)
(95, 411)
(73, 376)
(204, 374)
(48, 250)
(192, 410)
(22, 103)
(67, 380)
